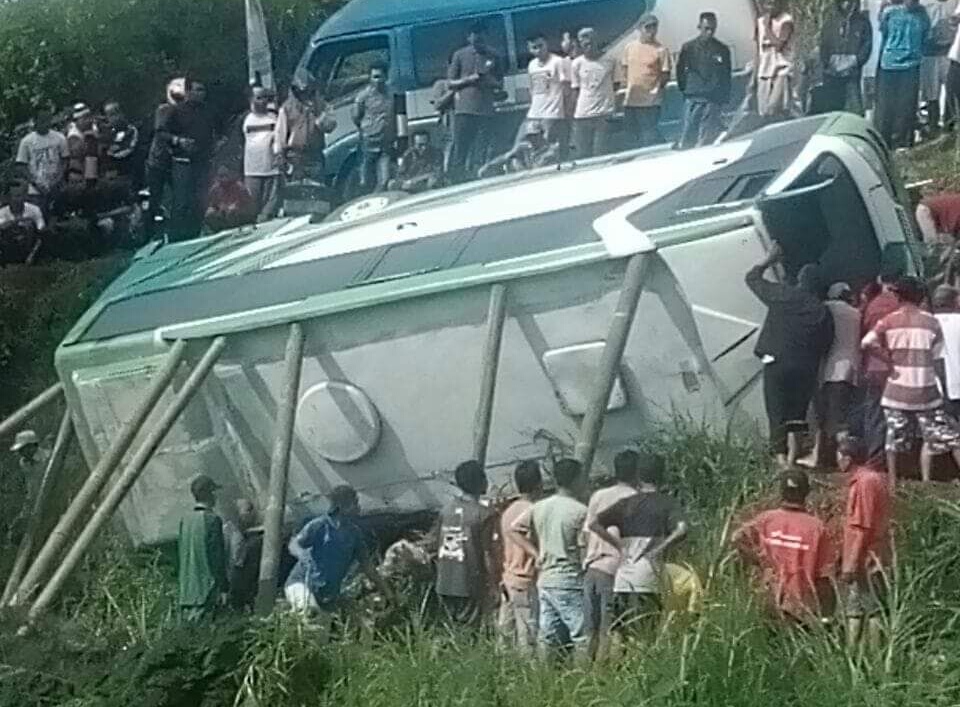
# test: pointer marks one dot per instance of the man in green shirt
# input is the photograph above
(203, 557)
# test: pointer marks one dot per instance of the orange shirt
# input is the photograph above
(795, 551)
(642, 68)
(519, 569)
(866, 528)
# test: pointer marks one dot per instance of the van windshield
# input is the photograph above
(434, 44)
(342, 68)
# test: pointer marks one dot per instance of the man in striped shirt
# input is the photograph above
(910, 339)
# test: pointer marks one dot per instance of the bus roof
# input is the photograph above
(366, 15)
(496, 228)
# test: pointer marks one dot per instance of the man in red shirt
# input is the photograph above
(793, 549)
(874, 369)
(229, 204)
(866, 539)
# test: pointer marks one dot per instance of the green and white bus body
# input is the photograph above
(394, 306)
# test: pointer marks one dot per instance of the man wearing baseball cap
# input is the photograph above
(794, 552)
(19, 493)
(202, 554)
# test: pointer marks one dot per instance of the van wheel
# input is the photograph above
(364, 206)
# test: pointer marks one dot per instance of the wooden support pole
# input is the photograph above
(491, 363)
(279, 471)
(127, 478)
(613, 350)
(17, 419)
(50, 474)
(66, 526)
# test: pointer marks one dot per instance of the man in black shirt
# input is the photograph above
(475, 76)
(466, 568)
(796, 335)
(190, 131)
(703, 76)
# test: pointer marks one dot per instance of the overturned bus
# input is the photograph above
(396, 308)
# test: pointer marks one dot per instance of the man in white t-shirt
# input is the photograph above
(549, 88)
(43, 153)
(839, 374)
(21, 224)
(946, 310)
(592, 79)
(260, 171)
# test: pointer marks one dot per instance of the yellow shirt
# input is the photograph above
(683, 592)
(642, 67)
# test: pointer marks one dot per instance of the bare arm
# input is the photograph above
(368, 568)
(678, 534)
(598, 529)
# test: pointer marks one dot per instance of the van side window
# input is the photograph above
(610, 18)
(343, 68)
(433, 45)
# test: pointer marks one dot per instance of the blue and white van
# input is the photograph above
(417, 37)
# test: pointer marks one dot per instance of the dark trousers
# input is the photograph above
(897, 95)
(590, 137)
(868, 421)
(642, 125)
(701, 123)
(953, 95)
(787, 390)
(840, 93)
(471, 139)
(190, 185)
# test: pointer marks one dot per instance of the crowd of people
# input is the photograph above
(558, 572)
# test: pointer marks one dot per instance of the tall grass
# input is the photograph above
(729, 654)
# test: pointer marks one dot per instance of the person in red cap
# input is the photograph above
(202, 578)
(866, 539)
(793, 549)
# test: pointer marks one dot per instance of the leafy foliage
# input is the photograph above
(56, 52)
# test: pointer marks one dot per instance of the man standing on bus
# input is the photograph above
(475, 76)
(703, 77)
(592, 80)
(646, 66)
(549, 88)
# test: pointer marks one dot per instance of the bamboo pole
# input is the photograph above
(66, 526)
(127, 478)
(491, 363)
(18, 418)
(616, 343)
(279, 470)
(50, 474)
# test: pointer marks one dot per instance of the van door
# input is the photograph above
(341, 68)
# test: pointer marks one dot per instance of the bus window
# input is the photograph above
(610, 18)
(433, 45)
(343, 68)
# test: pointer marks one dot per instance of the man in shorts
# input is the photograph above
(866, 540)
(649, 523)
(909, 339)
(602, 558)
(551, 531)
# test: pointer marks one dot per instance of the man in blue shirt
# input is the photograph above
(904, 25)
(326, 548)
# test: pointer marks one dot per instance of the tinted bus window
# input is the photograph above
(343, 68)
(610, 18)
(433, 45)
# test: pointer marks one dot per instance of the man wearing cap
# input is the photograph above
(646, 67)
(531, 152)
(839, 374)
(793, 549)
(202, 553)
